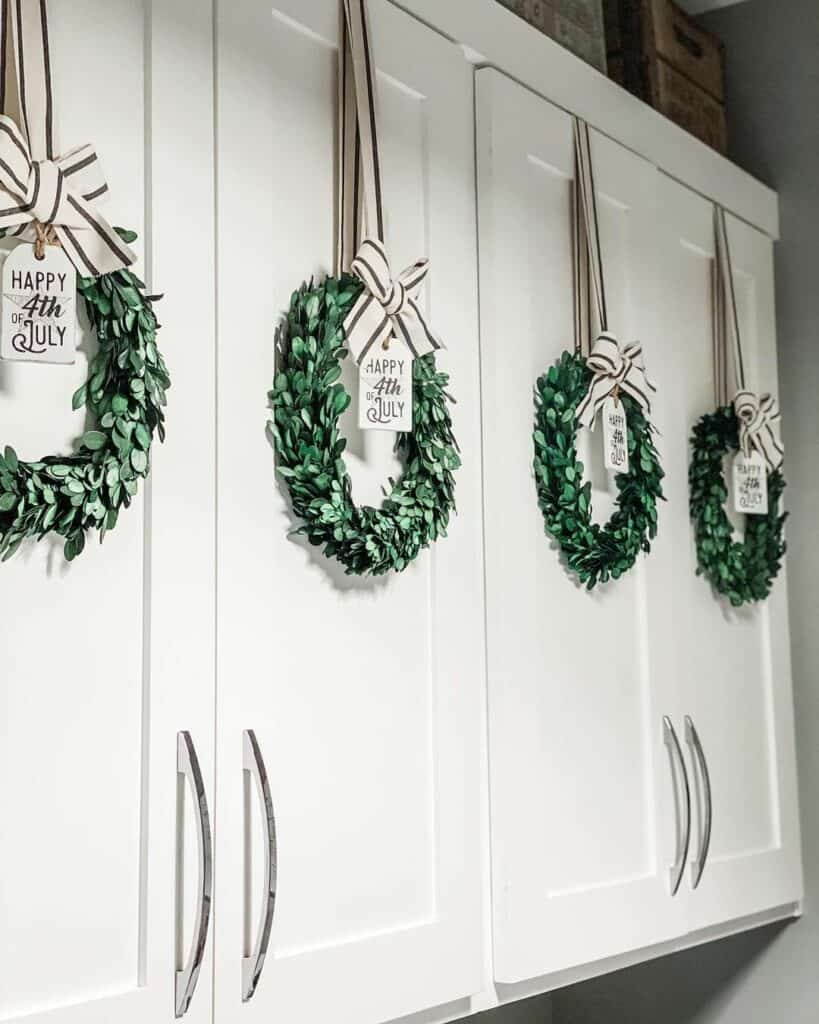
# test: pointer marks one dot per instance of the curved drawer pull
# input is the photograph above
(684, 837)
(187, 765)
(253, 764)
(692, 738)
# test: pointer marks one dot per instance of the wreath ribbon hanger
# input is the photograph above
(615, 368)
(757, 415)
(387, 306)
(42, 193)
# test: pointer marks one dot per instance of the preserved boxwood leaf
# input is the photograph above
(594, 553)
(307, 399)
(742, 571)
(72, 494)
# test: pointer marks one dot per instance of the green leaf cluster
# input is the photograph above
(125, 392)
(307, 400)
(594, 553)
(741, 571)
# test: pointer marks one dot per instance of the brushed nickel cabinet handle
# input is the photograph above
(187, 765)
(253, 764)
(692, 738)
(684, 834)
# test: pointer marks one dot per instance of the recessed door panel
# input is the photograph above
(733, 664)
(101, 664)
(363, 694)
(582, 791)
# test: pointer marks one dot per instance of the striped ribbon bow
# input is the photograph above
(614, 369)
(757, 416)
(387, 306)
(38, 187)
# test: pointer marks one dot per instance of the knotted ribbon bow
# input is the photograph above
(63, 193)
(39, 191)
(757, 416)
(614, 369)
(387, 307)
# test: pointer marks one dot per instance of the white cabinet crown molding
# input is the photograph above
(494, 36)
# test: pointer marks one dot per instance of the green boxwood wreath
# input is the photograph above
(743, 571)
(594, 553)
(307, 400)
(71, 495)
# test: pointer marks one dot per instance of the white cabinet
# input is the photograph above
(587, 794)
(364, 695)
(582, 797)
(107, 659)
(367, 700)
(733, 666)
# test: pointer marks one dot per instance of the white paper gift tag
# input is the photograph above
(385, 388)
(615, 436)
(750, 484)
(39, 306)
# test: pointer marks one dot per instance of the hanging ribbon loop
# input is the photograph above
(387, 307)
(758, 416)
(615, 369)
(39, 188)
(588, 252)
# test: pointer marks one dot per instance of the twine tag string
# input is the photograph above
(45, 235)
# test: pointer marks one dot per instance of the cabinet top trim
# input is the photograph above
(493, 36)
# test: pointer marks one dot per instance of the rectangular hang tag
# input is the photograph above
(39, 306)
(615, 436)
(750, 484)
(385, 388)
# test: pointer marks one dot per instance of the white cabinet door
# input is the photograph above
(734, 674)
(106, 659)
(365, 695)
(583, 797)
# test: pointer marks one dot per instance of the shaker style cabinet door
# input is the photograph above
(733, 665)
(363, 695)
(584, 792)
(107, 659)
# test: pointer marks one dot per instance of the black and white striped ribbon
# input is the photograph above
(588, 253)
(35, 185)
(725, 307)
(614, 368)
(388, 306)
(758, 415)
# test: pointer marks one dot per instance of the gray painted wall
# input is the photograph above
(773, 106)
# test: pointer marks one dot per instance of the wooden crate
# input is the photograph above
(662, 55)
(688, 105)
(575, 24)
